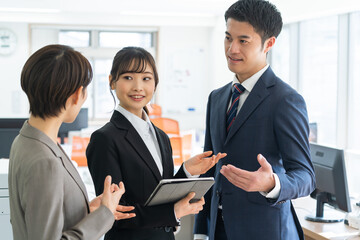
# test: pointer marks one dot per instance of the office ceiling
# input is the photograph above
(291, 9)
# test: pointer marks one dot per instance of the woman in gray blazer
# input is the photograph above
(48, 200)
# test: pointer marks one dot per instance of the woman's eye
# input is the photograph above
(147, 78)
(127, 77)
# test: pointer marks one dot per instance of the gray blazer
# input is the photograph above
(48, 199)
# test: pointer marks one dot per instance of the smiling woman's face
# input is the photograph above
(135, 90)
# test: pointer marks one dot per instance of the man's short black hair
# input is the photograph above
(262, 15)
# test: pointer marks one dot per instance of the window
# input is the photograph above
(354, 84)
(103, 103)
(280, 55)
(318, 74)
(327, 55)
(123, 39)
(75, 38)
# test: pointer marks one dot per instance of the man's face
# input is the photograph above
(244, 50)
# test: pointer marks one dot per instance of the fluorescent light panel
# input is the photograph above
(30, 10)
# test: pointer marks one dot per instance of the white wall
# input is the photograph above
(13, 102)
(185, 51)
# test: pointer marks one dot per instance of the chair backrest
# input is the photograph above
(186, 146)
(154, 110)
(176, 146)
(169, 126)
(79, 145)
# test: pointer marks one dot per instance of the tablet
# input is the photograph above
(172, 190)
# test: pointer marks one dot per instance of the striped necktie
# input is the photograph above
(231, 113)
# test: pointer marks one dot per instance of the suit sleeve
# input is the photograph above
(103, 160)
(292, 131)
(202, 218)
(42, 201)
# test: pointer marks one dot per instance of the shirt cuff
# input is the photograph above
(188, 174)
(275, 192)
(177, 219)
(200, 236)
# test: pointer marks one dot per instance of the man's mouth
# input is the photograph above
(235, 59)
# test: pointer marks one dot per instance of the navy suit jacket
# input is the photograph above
(272, 121)
(117, 149)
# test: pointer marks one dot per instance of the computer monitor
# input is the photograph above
(331, 184)
(9, 129)
(79, 123)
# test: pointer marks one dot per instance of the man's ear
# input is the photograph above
(269, 43)
(111, 84)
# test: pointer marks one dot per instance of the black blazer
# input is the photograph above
(117, 149)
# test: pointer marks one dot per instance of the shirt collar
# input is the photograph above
(249, 83)
(141, 124)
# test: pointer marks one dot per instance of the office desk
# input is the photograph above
(321, 231)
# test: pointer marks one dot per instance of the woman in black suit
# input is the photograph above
(131, 149)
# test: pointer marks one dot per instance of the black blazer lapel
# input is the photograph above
(165, 150)
(136, 142)
(256, 96)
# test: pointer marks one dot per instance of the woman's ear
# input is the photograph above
(77, 95)
(111, 84)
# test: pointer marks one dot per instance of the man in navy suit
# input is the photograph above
(262, 125)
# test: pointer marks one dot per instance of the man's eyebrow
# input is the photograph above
(241, 36)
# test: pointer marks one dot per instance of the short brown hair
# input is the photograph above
(51, 75)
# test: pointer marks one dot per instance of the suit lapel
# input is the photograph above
(136, 142)
(220, 111)
(256, 96)
(70, 168)
(167, 170)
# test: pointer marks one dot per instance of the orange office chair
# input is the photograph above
(154, 110)
(79, 145)
(169, 126)
(176, 146)
(186, 146)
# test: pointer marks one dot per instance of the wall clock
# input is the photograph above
(8, 41)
